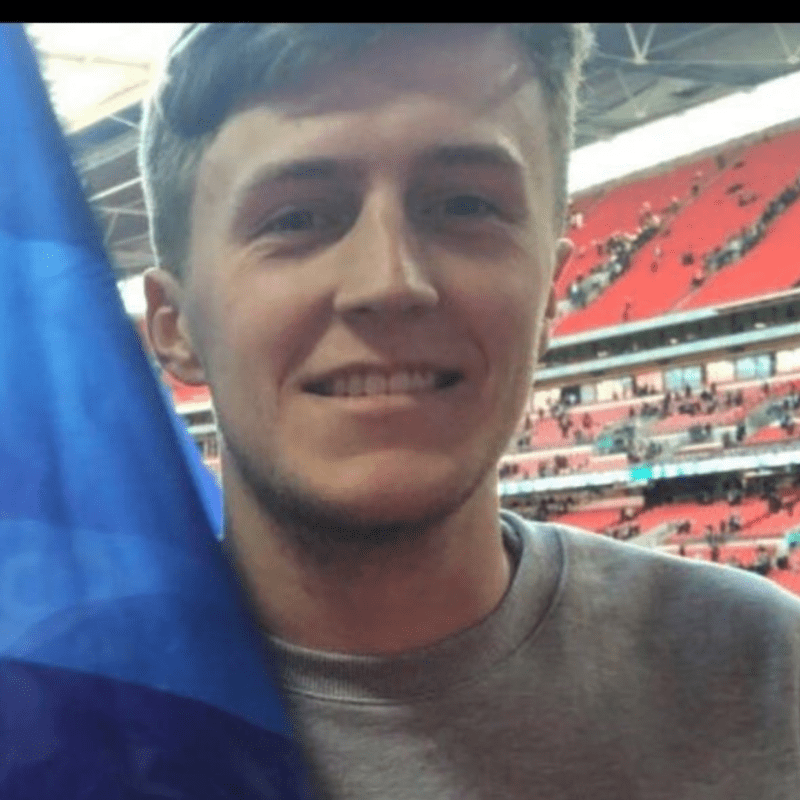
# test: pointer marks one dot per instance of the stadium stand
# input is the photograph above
(694, 449)
(770, 267)
(669, 272)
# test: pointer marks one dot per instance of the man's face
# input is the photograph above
(370, 264)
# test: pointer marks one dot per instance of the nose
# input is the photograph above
(384, 269)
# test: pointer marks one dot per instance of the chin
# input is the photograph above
(395, 481)
(332, 507)
(412, 492)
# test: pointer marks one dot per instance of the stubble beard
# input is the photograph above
(331, 535)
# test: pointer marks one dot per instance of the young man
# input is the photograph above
(358, 230)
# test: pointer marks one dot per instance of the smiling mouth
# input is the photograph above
(374, 383)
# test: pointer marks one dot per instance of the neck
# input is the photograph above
(389, 601)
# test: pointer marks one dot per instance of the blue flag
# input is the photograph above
(129, 664)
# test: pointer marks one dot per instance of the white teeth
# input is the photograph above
(399, 383)
(355, 386)
(378, 383)
(375, 384)
(423, 381)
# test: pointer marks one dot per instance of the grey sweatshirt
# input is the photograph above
(607, 672)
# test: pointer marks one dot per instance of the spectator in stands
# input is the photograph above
(762, 563)
(576, 293)
(751, 236)
(709, 535)
(647, 218)
(626, 311)
(782, 555)
(413, 626)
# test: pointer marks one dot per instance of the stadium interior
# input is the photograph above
(666, 411)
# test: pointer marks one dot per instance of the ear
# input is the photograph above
(564, 248)
(563, 252)
(166, 328)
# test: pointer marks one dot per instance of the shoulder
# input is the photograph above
(603, 578)
(679, 647)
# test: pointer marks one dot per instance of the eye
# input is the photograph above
(459, 208)
(309, 220)
(300, 220)
(465, 205)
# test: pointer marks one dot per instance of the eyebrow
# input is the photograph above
(314, 169)
(489, 155)
(320, 169)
